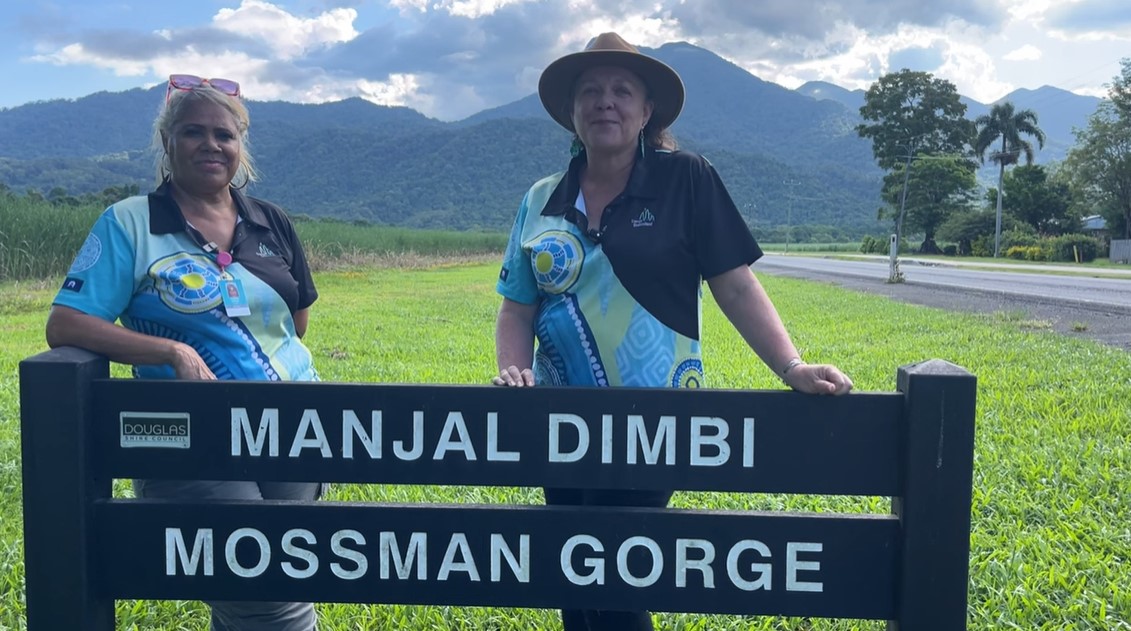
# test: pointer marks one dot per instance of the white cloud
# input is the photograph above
(462, 8)
(1028, 52)
(1031, 10)
(287, 35)
(400, 89)
(638, 30)
(450, 58)
(972, 70)
(409, 5)
(865, 57)
(78, 55)
(475, 8)
(228, 64)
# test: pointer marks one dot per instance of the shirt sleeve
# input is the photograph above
(101, 279)
(516, 278)
(722, 238)
(300, 268)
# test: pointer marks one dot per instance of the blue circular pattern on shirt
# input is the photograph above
(688, 374)
(187, 283)
(88, 255)
(556, 259)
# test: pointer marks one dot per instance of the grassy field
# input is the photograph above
(811, 248)
(39, 240)
(335, 244)
(1051, 519)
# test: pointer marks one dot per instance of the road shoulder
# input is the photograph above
(1107, 326)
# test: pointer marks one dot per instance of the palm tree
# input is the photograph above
(1009, 125)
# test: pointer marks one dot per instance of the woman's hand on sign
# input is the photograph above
(818, 379)
(187, 364)
(513, 376)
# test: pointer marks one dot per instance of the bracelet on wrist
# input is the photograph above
(790, 365)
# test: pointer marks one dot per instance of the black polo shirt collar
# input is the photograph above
(165, 216)
(562, 200)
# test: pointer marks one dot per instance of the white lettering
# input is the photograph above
(310, 421)
(606, 438)
(417, 544)
(703, 564)
(520, 567)
(597, 564)
(175, 549)
(343, 552)
(657, 561)
(417, 440)
(748, 442)
(556, 422)
(234, 563)
(764, 570)
(291, 549)
(638, 437)
(268, 430)
(454, 424)
(793, 566)
(718, 441)
(371, 440)
(493, 453)
(458, 543)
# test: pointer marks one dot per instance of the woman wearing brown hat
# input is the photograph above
(606, 259)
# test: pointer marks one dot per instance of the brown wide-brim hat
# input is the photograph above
(665, 88)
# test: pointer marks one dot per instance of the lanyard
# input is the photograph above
(223, 258)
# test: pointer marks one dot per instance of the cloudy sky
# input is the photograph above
(452, 58)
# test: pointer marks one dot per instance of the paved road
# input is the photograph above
(1102, 293)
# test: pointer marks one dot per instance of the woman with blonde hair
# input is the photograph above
(207, 282)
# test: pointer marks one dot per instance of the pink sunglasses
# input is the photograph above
(191, 82)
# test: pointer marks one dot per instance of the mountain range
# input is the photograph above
(1058, 111)
(788, 157)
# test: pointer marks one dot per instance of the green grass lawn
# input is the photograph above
(1051, 516)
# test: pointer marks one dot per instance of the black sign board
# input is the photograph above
(558, 437)
(84, 549)
(601, 558)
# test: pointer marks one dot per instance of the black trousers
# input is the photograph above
(593, 620)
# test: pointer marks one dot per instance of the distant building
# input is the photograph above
(1119, 250)
(1094, 225)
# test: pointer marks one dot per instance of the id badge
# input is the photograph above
(235, 299)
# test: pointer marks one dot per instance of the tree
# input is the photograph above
(908, 113)
(1100, 164)
(913, 112)
(1037, 199)
(937, 187)
(1120, 90)
(968, 226)
(1009, 125)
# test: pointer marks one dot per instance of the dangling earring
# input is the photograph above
(575, 147)
(641, 143)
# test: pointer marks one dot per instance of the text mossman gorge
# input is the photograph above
(583, 559)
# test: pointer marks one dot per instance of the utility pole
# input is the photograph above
(894, 275)
(789, 211)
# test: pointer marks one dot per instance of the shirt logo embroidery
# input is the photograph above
(265, 251)
(73, 284)
(645, 220)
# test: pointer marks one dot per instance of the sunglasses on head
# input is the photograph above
(191, 82)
